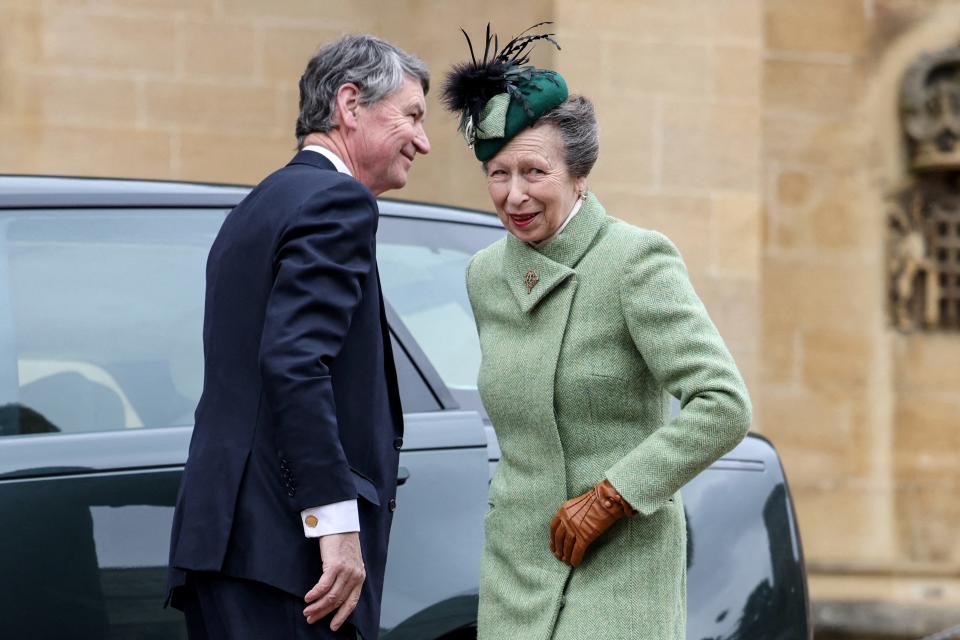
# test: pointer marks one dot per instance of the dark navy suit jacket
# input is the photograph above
(300, 406)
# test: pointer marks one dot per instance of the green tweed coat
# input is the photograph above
(575, 376)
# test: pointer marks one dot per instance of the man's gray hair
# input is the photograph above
(577, 123)
(377, 68)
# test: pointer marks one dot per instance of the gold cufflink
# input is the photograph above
(311, 521)
(531, 280)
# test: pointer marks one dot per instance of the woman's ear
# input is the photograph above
(348, 101)
(580, 185)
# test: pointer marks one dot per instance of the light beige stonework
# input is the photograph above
(760, 135)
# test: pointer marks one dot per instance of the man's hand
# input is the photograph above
(339, 586)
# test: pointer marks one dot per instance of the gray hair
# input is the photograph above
(576, 121)
(378, 68)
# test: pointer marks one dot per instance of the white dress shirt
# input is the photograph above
(339, 517)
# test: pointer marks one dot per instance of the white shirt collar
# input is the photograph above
(573, 212)
(338, 164)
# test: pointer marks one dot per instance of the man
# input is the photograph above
(298, 430)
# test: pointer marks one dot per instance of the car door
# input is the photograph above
(437, 539)
(101, 366)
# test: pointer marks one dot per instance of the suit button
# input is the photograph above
(398, 444)
(392, 505)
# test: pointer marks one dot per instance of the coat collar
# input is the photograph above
(313, 159)
(533, 272)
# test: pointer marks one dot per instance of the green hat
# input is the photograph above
(500, 97)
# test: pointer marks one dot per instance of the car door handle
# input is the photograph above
(403, 474)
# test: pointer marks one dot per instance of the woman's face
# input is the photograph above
(530, 186)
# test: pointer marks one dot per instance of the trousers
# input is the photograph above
(220, 607)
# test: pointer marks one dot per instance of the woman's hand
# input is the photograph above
(583, 519)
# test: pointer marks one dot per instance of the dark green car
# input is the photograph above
(101, 307)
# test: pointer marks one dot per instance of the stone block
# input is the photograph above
(207, 107)
(736, 235)
(660, 20)
(816, 209)
(110, 42)
(241, 159)
(817, 26)
(927, 362)
(736, 20)
(780, 354)
(288, 110)
(179, 8)
(21, 36)
(12, 96)
(846, 216)
(813, 435)
(73, 150)
(843, 523)
(927, 436)
(927, 520)
(813, 88)
(627, 140)
(813, 292)
(585, 64)
(285, 51)
(733, 306)
(21, 143)
(736, 73)
(675, 70)
(795, 188)
(60, 99)
(839, 363)
(358, 15)
(736, 147)
(219, 51)
(410, 25)
(818, 144)
(708, 146)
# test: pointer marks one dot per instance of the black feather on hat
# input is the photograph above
(470, 85)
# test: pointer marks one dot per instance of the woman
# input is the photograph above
(587, 324)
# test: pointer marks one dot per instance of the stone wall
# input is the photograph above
(866, 418)
(760, 135)
(207, 89)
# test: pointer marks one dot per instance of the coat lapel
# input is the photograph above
(534, 272)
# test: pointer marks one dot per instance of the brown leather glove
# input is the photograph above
(583, 519)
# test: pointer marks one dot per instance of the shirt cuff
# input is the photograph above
(339, 517)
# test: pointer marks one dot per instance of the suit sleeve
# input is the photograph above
(320, 265)
(684, 351)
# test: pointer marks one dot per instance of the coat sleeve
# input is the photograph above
(683, 350)
(320, 265)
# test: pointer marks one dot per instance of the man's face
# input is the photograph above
(389, 135)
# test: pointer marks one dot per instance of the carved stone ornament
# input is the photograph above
(923, 254)
(930, 111)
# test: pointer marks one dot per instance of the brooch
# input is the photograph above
(531, 280)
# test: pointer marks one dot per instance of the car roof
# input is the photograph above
(42, 192)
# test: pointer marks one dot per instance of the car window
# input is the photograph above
(423, 270)
(415, 395)
(100, 318)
